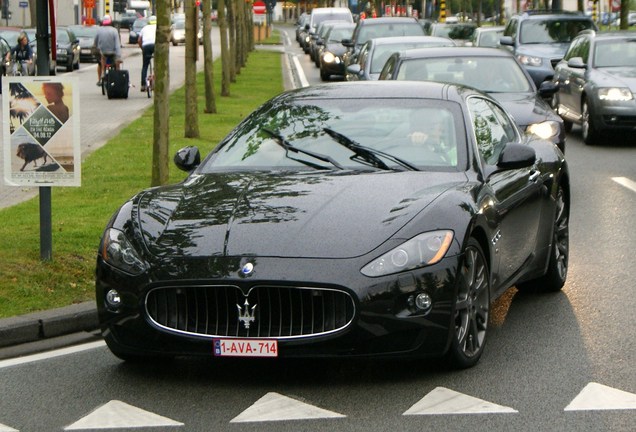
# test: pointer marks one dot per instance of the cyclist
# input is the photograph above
(21, 54)
(146, 41)
(108, 43)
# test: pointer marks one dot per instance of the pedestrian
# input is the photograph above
(146, 41)
(21, 54)
(54, 95)
(108, 43)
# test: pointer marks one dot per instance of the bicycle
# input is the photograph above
(150, 77)
(108, 65)
(19, 67)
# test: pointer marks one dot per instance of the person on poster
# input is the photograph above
(54, 94)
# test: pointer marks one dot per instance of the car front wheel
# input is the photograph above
(472, 308)
(589, 131)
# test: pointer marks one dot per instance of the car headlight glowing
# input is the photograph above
(615, 94)
(529, 60)
(425, 249)
(118, 252)
(328, 57)
(544, 130)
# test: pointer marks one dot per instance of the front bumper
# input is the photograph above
(383, 320)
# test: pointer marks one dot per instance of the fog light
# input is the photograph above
(113, 298)
(423, 302)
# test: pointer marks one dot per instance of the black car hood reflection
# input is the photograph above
(285, 215)
(526, 108)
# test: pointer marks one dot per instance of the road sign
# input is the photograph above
(24, 4)
(259, 8)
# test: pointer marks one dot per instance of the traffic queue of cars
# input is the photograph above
(551, 90)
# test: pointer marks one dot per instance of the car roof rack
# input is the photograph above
(550, 12)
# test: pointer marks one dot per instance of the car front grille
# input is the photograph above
(266, 312)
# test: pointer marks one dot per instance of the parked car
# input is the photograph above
(31, 33)
(86, 36)
(597, 83)
(491, 70)
(68, 49)
(487, 36)
(126, 19)
(461, 32)
(379, 27)
(331, 50)
(375, 52)
(300, 25)
(274, 245)
(540, 39)
(178, 33)
(135, 29)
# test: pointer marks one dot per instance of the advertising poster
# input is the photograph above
(41, 131)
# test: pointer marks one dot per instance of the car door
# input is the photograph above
(571, 80)
(515, 193)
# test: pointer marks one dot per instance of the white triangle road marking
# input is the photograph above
(445, 401)
(4, 428)
(595, 396)
(276, 407)
(117, 414)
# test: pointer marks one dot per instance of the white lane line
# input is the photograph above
(624, 181)
(301, 73)
(51, 354)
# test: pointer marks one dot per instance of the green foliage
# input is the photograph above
(109, 177)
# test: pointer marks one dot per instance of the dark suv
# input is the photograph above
(540, 39)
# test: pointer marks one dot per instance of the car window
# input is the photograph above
(615, 53)
(389, 68)
(552, 31)
(388, 30)
(574, 49)
(492, 127)
(511, 28)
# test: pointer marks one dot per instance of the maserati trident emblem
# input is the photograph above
(246, 315)
(247, 269)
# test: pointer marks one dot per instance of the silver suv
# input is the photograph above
(540, 39)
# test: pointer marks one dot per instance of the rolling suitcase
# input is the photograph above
(117, 83)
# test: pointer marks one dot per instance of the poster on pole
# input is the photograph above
(41, 131)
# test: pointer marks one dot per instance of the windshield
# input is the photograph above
(336, 34)
(455, 31)
(615, 53)
(552, 31)
(389, 30)
(382, 52)
(488, 74)
(85, 31)
(414, 132)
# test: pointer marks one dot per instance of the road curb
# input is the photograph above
(48, 324)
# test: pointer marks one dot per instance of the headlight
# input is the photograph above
(615, 94)
(544, 130)
(328, 57)
(61, 51)
(118, 252)
(425, 249)
(529, 60)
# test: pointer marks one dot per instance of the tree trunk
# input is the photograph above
(161, 120)
(191, 129)
(208, 64)
(231, 19)
(225, 49)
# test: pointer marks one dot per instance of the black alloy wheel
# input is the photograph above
(589, 132)
(472, 308)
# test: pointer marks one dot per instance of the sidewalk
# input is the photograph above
(41, 331)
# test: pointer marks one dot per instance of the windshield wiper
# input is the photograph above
(367, 155)
(289, 147)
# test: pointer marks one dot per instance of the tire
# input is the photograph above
(70, 65)
(471, 309)
(589, 131)
(557, 272)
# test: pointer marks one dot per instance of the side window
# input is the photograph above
(388, 69)
(362, 57)
(584, 50)
(492, 128)
(574, 49)
(511, 28)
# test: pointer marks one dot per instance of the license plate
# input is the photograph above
(86, 50)
(245, 348)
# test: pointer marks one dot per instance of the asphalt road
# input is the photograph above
(554, 362)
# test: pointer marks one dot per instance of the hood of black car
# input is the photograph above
(549, 50)
(293, 215)
(526, 108)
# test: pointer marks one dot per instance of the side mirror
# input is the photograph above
(515, 155)
(507, 40)
(348, 43)
(547, 89)
(576, 62)
(187, 158)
